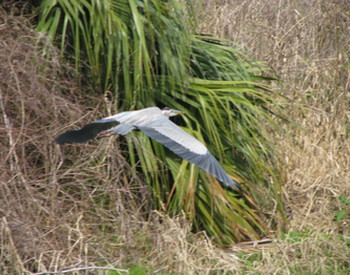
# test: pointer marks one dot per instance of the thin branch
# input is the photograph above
(81, 268)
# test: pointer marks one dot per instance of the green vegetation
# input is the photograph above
(344, 209)
(146, 53)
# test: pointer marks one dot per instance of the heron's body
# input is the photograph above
(156, 124)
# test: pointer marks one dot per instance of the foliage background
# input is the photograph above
(49, 226)
(147, 54)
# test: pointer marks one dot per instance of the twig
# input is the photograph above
(81, 268)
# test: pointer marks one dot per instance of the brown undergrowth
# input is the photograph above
(307, 44)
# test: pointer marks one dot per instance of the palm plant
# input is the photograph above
(145, 52)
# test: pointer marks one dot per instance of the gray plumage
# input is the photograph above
(154, 123)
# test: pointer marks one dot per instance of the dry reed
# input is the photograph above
(307, 45)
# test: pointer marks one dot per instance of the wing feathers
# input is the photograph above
(209, 164)
(121, 129)
(205, 160)
(86, 133)
(167, 131)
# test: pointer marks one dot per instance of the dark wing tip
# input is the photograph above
(209, 164)
(74, 136)
(88, 132)
(233, 184)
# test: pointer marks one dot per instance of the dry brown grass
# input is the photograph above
(78, 209)
(307, 44)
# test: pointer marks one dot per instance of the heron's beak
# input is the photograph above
(177, 112)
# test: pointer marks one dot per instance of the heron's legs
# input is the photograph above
(121, 129)
(105, 134)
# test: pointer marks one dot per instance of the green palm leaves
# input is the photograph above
(145, 52)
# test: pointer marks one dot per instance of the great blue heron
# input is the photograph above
(154, 123)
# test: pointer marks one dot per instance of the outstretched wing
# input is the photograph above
(187, 147)
(121, 123)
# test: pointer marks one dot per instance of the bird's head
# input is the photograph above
(167, 112)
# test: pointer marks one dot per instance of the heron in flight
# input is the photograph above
(155, 123)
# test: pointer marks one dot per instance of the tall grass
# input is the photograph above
(307, 45)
